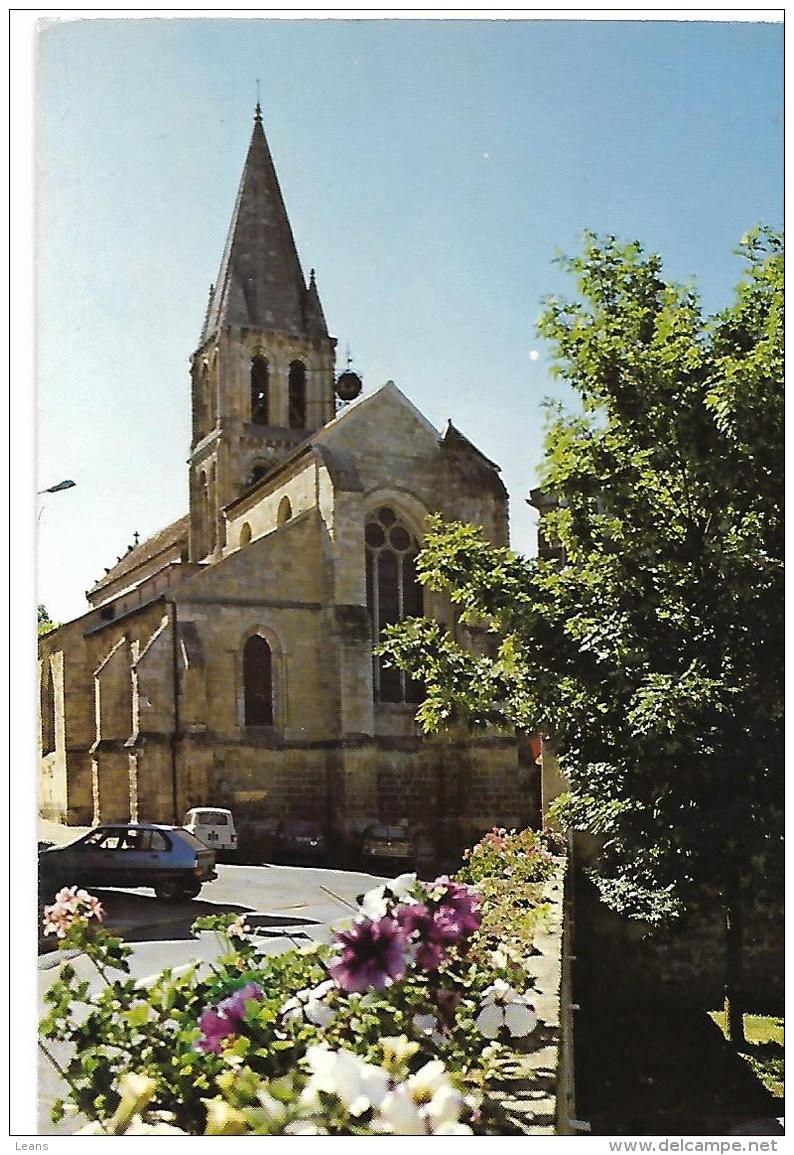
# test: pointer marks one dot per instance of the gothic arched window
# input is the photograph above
(393, 593)
(260, 388)
(297, 395)
(258, 682)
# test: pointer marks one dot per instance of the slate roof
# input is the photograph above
(260, 283)
(173, 534)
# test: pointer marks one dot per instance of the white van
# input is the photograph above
(214, 826)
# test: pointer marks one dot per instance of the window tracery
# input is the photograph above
(393, 593)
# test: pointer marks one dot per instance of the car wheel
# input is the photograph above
(190, 890)
(169, 889)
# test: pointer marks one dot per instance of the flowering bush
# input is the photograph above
(392, 1028)
(520, 856)
(71, 907)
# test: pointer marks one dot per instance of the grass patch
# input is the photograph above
(764, 1055)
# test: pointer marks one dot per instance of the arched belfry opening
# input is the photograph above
(260, 390)
(297, 395)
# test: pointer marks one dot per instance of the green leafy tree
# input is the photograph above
(653, 654)
(45, 623)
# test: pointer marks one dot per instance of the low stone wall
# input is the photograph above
(536, 1085)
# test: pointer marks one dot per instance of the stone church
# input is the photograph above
(228, 660)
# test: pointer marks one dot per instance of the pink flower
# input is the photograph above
(71, 906)
(94, 908)
(373, 955)
(68, 897)
(218, 1023)
(57, 920)
(215, 1027)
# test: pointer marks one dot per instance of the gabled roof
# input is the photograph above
(260, 283)
(387, 392)
(172, 535)
(341, 462)
(454, 439)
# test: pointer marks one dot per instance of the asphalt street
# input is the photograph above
(284, 905)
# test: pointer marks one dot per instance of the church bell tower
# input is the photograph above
(263, 373)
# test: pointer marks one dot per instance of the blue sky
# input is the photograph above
(431, 171)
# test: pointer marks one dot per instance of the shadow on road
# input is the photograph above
(141, 918)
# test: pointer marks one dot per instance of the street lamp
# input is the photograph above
(57, 488)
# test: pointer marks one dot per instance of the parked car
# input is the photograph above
(256, 839)
(214, 826)
(388, 845)
(298, 839)
(168, 858)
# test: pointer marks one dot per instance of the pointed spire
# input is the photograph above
(313, 315)
(260, 284)
(207, 312)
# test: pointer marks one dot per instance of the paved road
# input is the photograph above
(286, 905)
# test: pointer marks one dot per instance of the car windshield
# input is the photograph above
(211, 818)
(393, 833)
(300, 826)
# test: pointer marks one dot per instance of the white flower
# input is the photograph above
(428, 1025)
(378, 902)
(374, 904)
(428, 1080)
(357, 1085)
(399, 1114)
(309, 1005)
(136, 1091)
(502, 1006)
(304, 1127)
(397, 1050)
(138, 1127)
(490, 1020)
(402, 886)
(425, 1104)
(238, 928)
(273, 1110)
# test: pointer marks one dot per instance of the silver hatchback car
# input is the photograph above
(168, 858)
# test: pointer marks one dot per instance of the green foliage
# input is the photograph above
(45, 624)
(653, 655)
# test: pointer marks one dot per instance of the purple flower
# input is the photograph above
(431, 936)
(450, 926)
(234, 1006)
(214, 1029)
(218, 1023)
(373, 954)
(459, 904)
